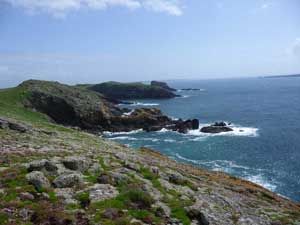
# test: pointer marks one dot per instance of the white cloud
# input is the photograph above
(60, 8)
(170, 7)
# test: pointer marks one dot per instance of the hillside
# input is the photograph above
(119, 90)
(52, 174)
(89, 110)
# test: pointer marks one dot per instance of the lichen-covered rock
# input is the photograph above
(68, 180)
(36, 165)
(66, 194)
(132, 166)
(100, 192)
(26, 196)
(8, 124)
(195, 213)
(38, 180)
(77, 163)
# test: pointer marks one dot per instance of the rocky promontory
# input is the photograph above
(89, 110)
(127, 91)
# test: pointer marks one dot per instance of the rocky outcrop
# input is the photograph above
(152, 119)
(163, 85)
(38, 180)
(74, 106)
(118, 90)
(4, 124)
(217, 127)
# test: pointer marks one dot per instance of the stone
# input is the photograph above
(95, 168)
(66, 194)
(68, 180)
(76, 163)
(176, 179)
(25, 214)
(3, 124)
(104, 179)
(154, 170)
(111, 213)
(195, 213)
(132, 166)
(26, 196)
(38, 180)
(100, 192)
(36, 165)
(118, 177)
(18, 127)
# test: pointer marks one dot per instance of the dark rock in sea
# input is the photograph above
(117, 90)
(190, 89)
(162, 85)
(217, 127)
(184, 126)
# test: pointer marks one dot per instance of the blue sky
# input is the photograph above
(84, 41)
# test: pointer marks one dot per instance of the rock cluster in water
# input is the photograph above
(217, 127)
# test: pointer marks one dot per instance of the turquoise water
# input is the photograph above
(265, 145)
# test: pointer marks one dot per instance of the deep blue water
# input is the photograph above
(265, 146)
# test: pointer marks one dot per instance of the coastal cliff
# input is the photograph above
(119, 90)
(92, 111)
(51, 173)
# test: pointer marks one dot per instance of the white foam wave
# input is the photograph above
(150, 139)
(127, 113)
(260, 180)
(164, 130)
(184, 96)
(230, 166)
(169, 140)
(108, 133)
(144, 104)
(217, 165)
(123, 138)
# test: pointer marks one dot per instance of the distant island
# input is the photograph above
(283, 76)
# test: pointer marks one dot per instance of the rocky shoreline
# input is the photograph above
(54, 172)
(66, 176)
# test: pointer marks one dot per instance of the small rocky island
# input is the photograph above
(54, 172)
(217, 127)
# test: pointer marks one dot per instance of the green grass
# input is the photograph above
(84, 199)
(11, 105)
(3, 219)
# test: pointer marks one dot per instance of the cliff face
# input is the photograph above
(132, 90)
(70, 105)
(89, 110)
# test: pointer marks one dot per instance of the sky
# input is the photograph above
(91, 41)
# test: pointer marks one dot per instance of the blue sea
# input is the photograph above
(263, 148)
